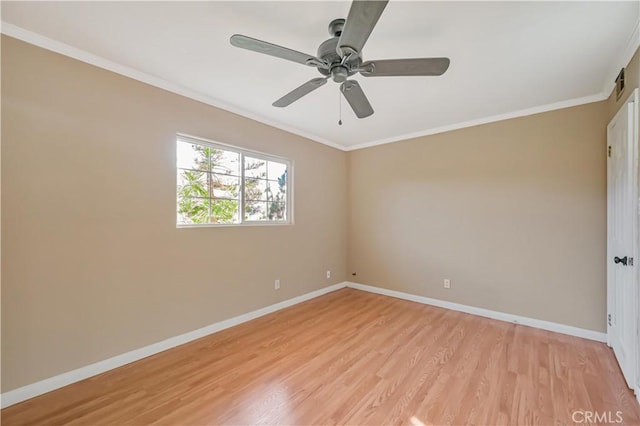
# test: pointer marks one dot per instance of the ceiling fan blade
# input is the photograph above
(405, 67)
(361, 20)
(299, 92)
(356, 98)
(267, 48)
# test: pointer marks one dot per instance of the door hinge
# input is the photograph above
(609, 151)
(609, 319)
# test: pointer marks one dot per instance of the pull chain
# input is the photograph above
(339, 109)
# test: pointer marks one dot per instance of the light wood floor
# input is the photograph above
(357, 358)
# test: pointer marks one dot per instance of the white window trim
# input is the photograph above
(182, 137)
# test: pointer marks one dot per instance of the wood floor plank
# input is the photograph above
(351, 357)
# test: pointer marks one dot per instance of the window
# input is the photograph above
(224, 185)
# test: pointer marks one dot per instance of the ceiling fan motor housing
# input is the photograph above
(339, 74)
(337, 70)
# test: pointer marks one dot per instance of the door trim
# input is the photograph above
(635, 188)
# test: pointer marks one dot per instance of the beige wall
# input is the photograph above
(513, 212)
(92, 262)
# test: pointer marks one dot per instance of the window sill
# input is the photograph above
(234, 225)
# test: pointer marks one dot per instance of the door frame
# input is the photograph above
(635, 189)
(634, 98)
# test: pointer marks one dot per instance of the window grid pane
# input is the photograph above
(220, 186)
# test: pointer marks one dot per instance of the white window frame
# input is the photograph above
(181, 137)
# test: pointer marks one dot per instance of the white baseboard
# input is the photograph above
(501, 316)
(64, 379)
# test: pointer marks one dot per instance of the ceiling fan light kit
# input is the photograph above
(340, 57)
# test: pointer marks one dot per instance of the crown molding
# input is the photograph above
(485, 120)
(622, 59)
(89, 58)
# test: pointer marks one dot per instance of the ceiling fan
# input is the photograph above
(341, 57)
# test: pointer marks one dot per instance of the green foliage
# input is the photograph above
(195, 209)
(224, 211)
(196, 201)
(252, 190)
(277, 203)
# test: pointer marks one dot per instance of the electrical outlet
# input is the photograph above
(277, 285)
(328, 274)
(447, 283)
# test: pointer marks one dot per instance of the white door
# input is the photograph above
(621, 206)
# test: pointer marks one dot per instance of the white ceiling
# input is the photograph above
(507, 58)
